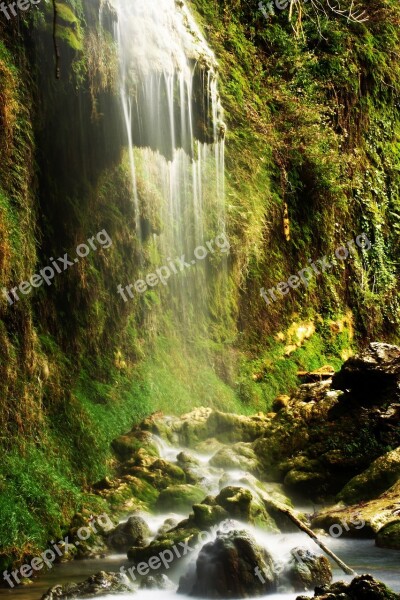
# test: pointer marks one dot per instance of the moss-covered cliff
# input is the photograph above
(312, 144)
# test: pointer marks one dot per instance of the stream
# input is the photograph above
(361, 554)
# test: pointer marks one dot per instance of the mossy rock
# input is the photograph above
(126, 446)
(165, 542)
(303, 481)
(205, 515)
(238, 456)
(159, 473)
(131, 493)
(379, 477)
(389, 536)
(240, 504)
(179, 498)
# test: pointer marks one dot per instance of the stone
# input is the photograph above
(134, 532)
(389, 535)
(100, 584)
(238, 456)
(379, 477)
(364, 587)
(179, 498)
(226, 568)
(307, 570)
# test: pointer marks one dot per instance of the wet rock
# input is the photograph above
(389, 535)
(364, 587)
(167, 526)
(205, 515)
(241, 504)
(203, 423)
(100, 584)
(226, 568)
(195, 472)
(365, 519)
(238, 456)
(179, 498)
(306, 570)
(158, 581)
(182, 536)
(379, 477)
(134, 532)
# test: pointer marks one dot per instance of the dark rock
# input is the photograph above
(100, 584)
(226, 568)
(134, 532)
(371, 377)
(364, 587)
(307, 570)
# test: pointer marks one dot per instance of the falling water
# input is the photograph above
(175, 137)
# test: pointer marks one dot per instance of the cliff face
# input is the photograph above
(312, 162)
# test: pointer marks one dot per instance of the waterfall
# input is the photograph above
(175, 137)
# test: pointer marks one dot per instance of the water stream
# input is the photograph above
(361, 554)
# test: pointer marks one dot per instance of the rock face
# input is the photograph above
(225, 568)
(100, 584)
(361, 588)
(306, 570)
(134, 532)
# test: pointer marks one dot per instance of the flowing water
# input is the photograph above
(360, 554)
(174, 127)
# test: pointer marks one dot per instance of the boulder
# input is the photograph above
(226, 568)
(134, 532)
(306, 570)
(241, 504)
(100, 584)
(389, 535)
(195, 472)
(364, 587)
(238, 456)
(179, 498)
(379, 477)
